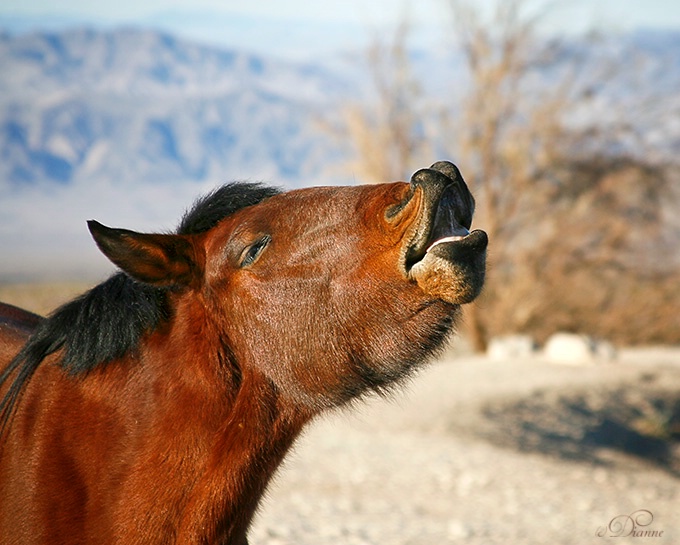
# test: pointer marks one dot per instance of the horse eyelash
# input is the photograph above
(251, 254)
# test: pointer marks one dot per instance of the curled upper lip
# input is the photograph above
(445, 212)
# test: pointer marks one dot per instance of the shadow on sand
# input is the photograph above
(591, 425)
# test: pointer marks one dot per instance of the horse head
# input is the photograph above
(329, 291)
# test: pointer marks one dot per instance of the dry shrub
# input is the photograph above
(579, 238)
(600, 258)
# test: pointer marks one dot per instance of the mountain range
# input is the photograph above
(131, 105)
(89, 117)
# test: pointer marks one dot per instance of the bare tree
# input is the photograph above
(385, 130)
(503, 139)
(555, 213)
(575, 231)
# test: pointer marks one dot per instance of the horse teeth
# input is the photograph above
(445, 239)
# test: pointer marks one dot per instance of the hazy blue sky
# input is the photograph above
(619, 14)
(304, 29)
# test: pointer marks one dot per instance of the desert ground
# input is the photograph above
(482, 451)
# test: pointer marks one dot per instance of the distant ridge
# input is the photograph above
(129, 125)
(142, 105)
(131, 105)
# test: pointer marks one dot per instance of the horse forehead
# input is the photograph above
(301, 211)
(324, 203)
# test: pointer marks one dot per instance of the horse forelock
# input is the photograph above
(208, 210)
(109, 321)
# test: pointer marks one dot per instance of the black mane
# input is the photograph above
(108, 321)
(210, 209)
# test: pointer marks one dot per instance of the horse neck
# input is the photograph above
(250, 447)
(246, 429)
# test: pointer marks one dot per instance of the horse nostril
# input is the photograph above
(393, 211)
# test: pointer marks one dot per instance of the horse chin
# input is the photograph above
(453, 269)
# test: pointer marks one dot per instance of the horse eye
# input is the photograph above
(252, 252)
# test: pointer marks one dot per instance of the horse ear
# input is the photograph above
(162, 260)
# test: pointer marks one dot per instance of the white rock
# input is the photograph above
(511, 347)
(569, 348)
(573, 349)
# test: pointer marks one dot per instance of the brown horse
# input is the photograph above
(156, 407)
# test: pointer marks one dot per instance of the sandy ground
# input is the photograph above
(477, 451)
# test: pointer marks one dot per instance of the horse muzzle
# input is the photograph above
(444, 258)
